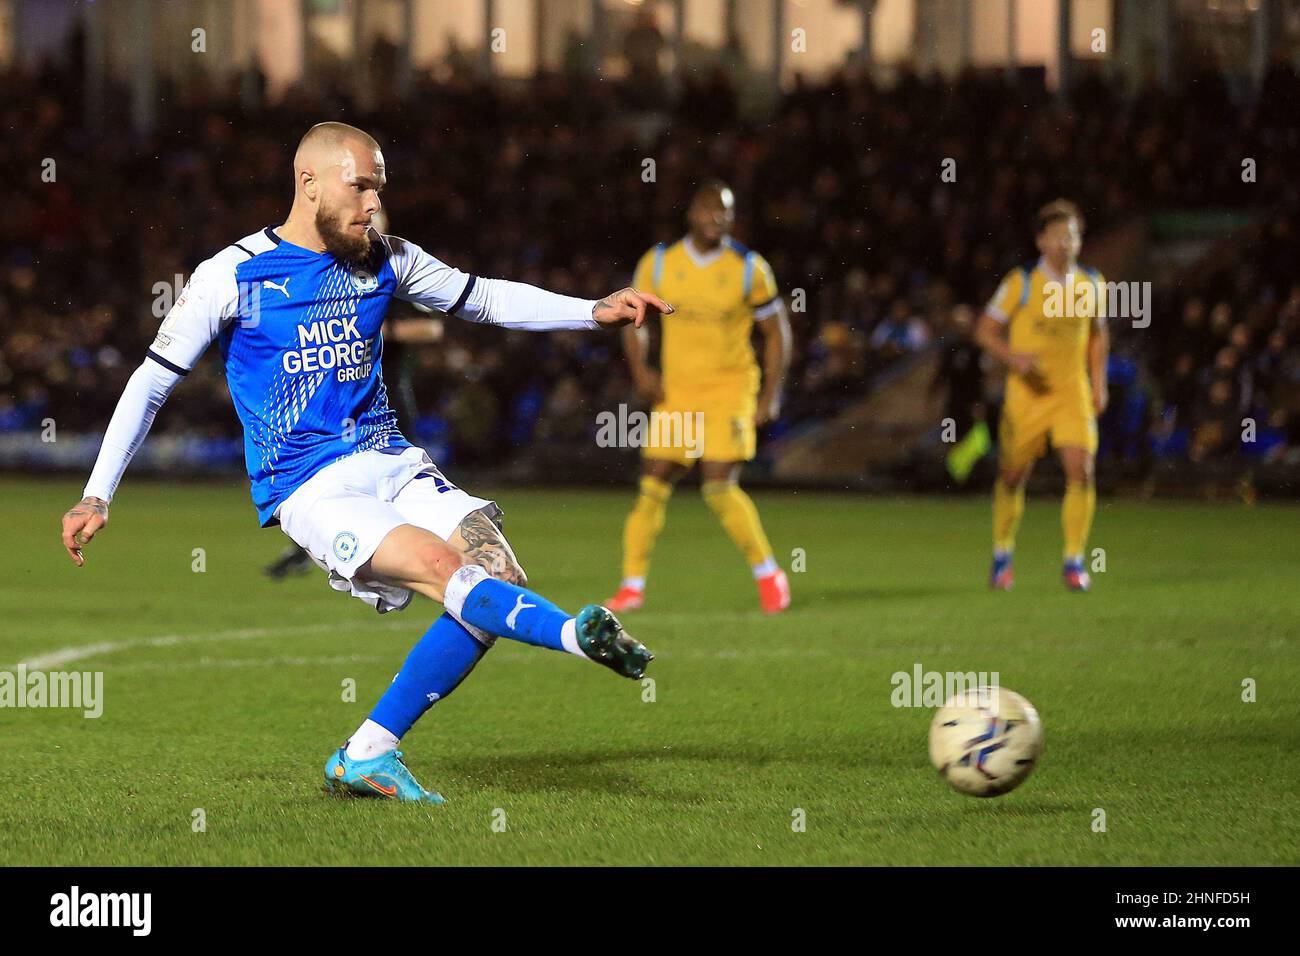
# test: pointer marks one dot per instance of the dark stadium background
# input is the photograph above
(531, 167)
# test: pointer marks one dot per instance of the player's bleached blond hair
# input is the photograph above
(329, 135)
(1058, 210)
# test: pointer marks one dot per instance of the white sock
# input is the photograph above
(636, 584)
(569, 637)
(371, 740)
(768, 567)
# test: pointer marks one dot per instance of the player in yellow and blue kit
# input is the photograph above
(709, 374)
(1046, 323)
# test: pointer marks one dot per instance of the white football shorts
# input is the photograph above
(340, 515)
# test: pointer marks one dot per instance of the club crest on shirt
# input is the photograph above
(364, 281)
(345, 545)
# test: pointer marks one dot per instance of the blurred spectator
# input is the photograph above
(541, 182)
(961, 373)
(642, 46)
(898, 333)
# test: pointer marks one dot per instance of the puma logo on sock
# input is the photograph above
(513, 616)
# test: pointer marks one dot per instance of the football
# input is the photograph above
(985, 741)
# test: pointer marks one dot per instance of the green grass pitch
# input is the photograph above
(224, 692)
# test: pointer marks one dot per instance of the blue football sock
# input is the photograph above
(505, 609)
(440, 660)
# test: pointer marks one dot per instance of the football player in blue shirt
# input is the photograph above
(296, 311)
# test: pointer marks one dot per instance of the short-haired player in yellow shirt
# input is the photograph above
(720, 290)
(1046, 323)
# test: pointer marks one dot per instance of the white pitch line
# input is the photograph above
(222, 663)
(79, 652)
(67, 655)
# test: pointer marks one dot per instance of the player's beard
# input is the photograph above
(350, 250)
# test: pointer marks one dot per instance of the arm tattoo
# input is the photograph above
(484, 543)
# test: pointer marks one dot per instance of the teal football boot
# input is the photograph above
(385, 777)
(602, 638)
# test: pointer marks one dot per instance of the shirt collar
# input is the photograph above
(701, 258)
(1047, 270)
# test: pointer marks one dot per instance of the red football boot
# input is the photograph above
(774, 592)
(627, 599)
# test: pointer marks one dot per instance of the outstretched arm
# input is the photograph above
(208, 300)
(516, 305)
(425, 280)
(144, 394)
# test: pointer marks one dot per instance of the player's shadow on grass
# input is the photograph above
(1022, 807)
(612, 771)
(575, 772)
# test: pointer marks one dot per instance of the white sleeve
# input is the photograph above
(427, 281)
(424, 280)
(517, 305)
(768, 309)
(144, 394)
(209, 301)
(206, 304)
